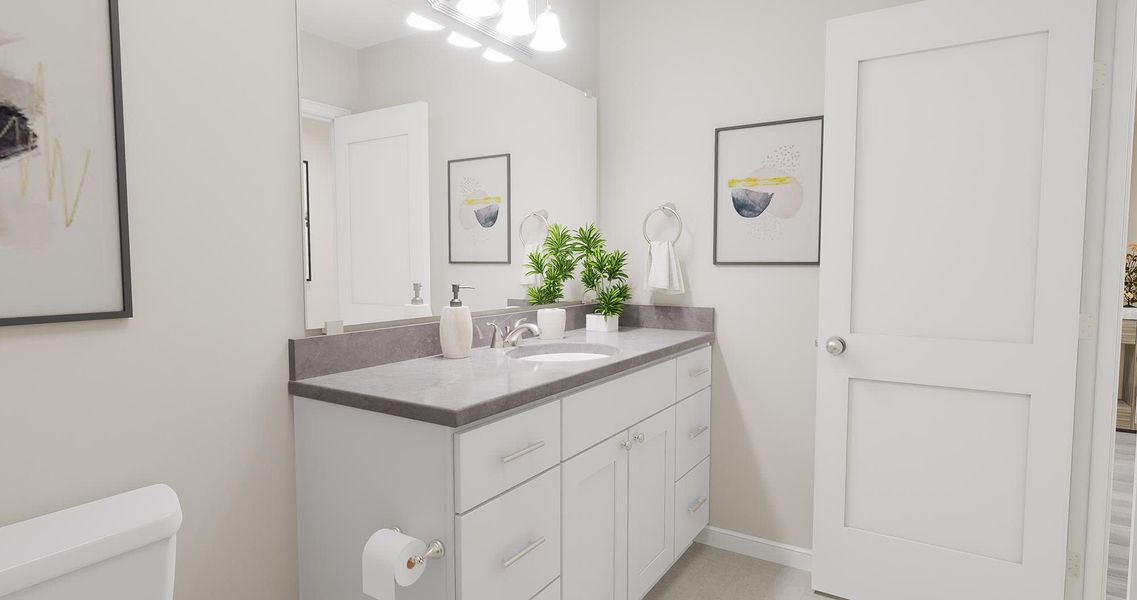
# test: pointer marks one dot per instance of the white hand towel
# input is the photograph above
(663, 272)
(528, 280)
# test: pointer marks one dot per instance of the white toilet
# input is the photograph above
(117, 548)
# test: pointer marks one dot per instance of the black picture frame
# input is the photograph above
(127, 310)
(508, 211)
(820, 201)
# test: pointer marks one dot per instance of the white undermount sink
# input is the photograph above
(564, 352)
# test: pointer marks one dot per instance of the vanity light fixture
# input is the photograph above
(515, 20)
(478, 9)
(548, 37)
(494, 56)
(462, 41)
(420, 22)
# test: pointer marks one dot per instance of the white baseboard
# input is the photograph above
(741, 543)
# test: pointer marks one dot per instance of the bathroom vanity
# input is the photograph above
(580, 480)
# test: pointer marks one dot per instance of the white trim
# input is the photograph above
(321, 111)
(756, 547)
(1118, 168)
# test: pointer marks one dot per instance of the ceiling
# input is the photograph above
(355, 23)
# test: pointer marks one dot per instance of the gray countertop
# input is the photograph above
(454, 393)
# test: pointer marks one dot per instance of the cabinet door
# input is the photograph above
(651, 502)
(594, 518)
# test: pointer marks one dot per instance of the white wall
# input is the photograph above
(329, 72)
(191, 391)
(479, 108)
(670, 75)
(321, 295)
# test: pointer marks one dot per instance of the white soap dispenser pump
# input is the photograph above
(456, 327)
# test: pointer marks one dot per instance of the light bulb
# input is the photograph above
(462, 41)
(478, 8)
(420, 22)
(494, 56)
(548, 37)
(515, 19)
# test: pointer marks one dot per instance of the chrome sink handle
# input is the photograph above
(497, 337)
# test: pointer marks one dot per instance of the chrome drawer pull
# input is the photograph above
(505, 564)
(523, 452)
(694, 508)
(700, 430)
(700, 372)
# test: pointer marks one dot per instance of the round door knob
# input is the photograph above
(835, 345)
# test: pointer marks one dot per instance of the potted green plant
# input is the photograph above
(552, 265)
(602, 273)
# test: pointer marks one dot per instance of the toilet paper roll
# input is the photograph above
(387, 562)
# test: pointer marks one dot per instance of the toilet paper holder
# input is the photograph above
(434, 549)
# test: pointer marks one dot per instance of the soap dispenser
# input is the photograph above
(456, 327)
(416, 308)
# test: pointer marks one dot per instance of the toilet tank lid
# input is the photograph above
(46, 547)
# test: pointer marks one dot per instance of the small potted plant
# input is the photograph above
(552, 264)
(1131, 276)
(602, 273)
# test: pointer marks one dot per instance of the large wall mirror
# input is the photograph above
(435, 150)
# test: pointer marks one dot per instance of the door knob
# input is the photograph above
(835, 345)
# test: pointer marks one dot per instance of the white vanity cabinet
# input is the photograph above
(589, 496)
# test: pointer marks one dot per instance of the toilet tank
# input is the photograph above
(117, 548)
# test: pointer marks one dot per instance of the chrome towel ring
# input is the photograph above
(668, 207)
(540, 215)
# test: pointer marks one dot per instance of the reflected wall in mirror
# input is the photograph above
(386, 107)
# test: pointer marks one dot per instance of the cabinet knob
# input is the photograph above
(638, 438)
(626, 445)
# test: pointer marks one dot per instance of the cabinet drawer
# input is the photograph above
(553, 592)
(692, 508)
(693, 372)
(493, 458)
(692, 431)
(599, 412)
(510, 548)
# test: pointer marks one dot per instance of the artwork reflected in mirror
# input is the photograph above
(425, 159)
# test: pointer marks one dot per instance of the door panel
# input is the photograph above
(382, 234)
(595, 523)
(651, 502)
(956, 144)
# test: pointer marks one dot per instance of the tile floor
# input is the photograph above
(706, 573)
(1124, 451)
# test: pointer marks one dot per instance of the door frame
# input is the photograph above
(1111, 160)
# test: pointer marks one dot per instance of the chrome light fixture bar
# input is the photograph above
(483, 26)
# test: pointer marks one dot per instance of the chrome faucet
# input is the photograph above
(511, 336)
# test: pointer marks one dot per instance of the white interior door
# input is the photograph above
(382, 211)
(956, 141)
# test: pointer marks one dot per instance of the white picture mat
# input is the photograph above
(48, 267)
(765, 239)
(479, 244)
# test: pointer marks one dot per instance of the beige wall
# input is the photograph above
(329, 72)
(670, 75)
(191, 391)
(321, 297)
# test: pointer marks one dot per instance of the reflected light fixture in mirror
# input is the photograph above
(515, 20)
(494, 56)
(422, 23)
(461, 41)
(478, 8)
(548, 37)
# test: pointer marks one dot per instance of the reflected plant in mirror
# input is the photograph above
(553, 264)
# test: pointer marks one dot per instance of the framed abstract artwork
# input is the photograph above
(768, 193)
(64, 249)
(479, 209)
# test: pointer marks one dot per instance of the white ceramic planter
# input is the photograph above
(552, 323)
(595, 322)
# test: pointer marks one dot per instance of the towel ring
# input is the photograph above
(668, 207)
(540, 215)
